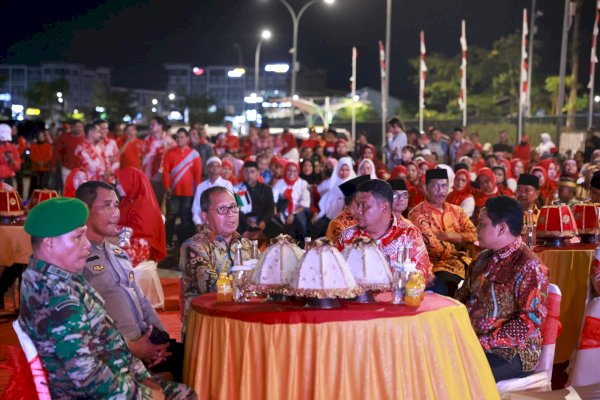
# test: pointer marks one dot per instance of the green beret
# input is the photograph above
(56, 217)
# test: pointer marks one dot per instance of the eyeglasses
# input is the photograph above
(403, 195)
(224, 210)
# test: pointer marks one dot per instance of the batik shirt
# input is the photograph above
(202, 258)
(444, 255)
(505, 293)
(343, 220)
(108, 147)
(399, 234)
(92, 162)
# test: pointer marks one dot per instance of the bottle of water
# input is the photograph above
(398, 282)
(255, 249)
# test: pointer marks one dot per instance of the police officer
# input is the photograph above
(109, 271)
(81, 348)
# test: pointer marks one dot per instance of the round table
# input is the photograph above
(261, 350)
(569, 268)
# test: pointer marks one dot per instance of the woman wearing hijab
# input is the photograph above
(307, 171)
(548, 188)
(516, 169)
(328, 168)
(76, 177)
(552, 169)
(332, 202)
(546, 145)
(140, 211)
(487, 190)
(227, 171)
(570, 169)
(500, 174)
(462, 192)
(277, 165)
(368, 151)
(292, 200)
(366, 167)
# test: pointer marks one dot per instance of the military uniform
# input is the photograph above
(78, 343)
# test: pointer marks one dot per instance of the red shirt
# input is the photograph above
(182, 171)
(131, 153)
(64, 150)
(7, 170)
(232, 142)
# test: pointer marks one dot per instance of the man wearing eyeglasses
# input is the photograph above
(211, 251)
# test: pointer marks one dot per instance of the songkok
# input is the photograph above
(56, 217)
(595, 183)
(5, 133)
(398, 184)
(250, 164)
(436, 173)
(529, 180)
(214, 159)
(350, 187)
(567, 181)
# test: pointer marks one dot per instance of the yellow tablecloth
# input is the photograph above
(15, 245)
(429, 355)
(570, 270)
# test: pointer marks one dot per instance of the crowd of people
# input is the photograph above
(457, 205)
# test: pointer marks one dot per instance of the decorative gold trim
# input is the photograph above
(587, 231)
(268, 288)
(343, 293)
(376, 287)
(563, 234)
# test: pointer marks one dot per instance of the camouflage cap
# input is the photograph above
(56, 217)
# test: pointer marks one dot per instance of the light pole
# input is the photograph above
(265, 35)
(294, 49)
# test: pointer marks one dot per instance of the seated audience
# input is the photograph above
(347, 217)
(462, 192)
(505, 292)
(213, 165)
(210, 252)
(375, 220)
(446, 230)
(81, 349)
(566, 191)
(74, 179)
(548, 188)
(292, 200)
(400, 203)
(527, 194)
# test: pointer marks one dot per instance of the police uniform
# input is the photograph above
(109, 271)
(78, 343)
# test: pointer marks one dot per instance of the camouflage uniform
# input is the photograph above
(202, 258)
(78, 343)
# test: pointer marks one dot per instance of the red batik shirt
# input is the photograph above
(505, 293)
(92, 162)
(400, 233)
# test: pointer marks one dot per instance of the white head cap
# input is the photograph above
(213, 159)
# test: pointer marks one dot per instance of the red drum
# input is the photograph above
(40, 195)
(586, 217)
(10, 204)
(555, 224)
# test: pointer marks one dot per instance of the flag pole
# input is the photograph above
(422, 76)
(383, 95)
(593, 61)
(354, 54)
(524, 84)
(462, 97)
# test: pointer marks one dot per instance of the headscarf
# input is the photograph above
(287, 193)
(564, 169)
(140, 210)
(546, 164)
(70, 188)
(331, 196)
(373, 174)
(513, 164)
(458, 196)
(546, 145)
(398, 169)
(450, 173)
(549, 187)
(335, 180)
(226, 163)
(312, 178)
(480, 196)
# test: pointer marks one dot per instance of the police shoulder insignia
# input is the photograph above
(131, 278)
(98, 268)
(117, 251)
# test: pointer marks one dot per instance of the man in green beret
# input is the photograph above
(79, 345)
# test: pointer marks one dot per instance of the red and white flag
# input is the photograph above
(462, 95)
(383, 76)
(524, 83)
(422, 72)
(594, 56)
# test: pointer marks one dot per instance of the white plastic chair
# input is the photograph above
(540, 380)
(40, 375)
(146, 276)
(586, 369)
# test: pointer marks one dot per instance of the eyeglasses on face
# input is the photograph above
(224, 210)
(403, 195)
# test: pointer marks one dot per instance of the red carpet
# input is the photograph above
(170, 317)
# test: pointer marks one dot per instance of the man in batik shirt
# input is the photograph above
(347, 217)
(446, 232)
(527, 194)
(211, 251)
(505, 292)
(91, 160)
(374, 219)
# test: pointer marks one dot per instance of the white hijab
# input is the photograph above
(373, 175)
(332, 202)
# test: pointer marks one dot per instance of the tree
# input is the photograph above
(364, 112)
(43, 96)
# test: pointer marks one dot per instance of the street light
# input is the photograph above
(265, 35)
(294, 49)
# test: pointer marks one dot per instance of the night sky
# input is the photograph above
(135, 38)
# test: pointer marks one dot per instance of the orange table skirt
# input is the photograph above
(570, 269)
(15, 245)
(425, 355)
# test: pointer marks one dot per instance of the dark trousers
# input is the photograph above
(8, 277)
(445, 283)
(319, 228)
(179, 206)
(158, 188)
(174, 363)
(39, 180)
(502, 369)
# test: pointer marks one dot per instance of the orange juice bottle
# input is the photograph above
(224, 288)
(413, 291)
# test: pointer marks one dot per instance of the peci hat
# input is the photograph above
(350, 187)
(398, 184)
(56, 217)
(529, 180)
(436, 173)
(250, 164)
